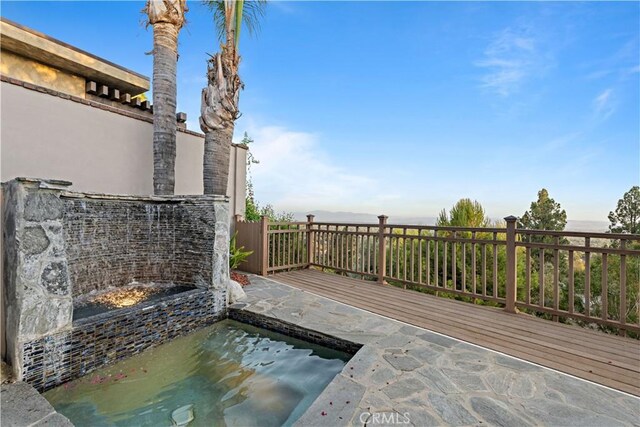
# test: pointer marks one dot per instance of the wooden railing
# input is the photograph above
(588, 277)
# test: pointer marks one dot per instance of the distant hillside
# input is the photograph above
(362, 218)
(594, 226)
(365, 218)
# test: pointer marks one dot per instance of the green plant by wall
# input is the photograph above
(237, 255)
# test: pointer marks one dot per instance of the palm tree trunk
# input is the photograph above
(165, 58)
(218, 112)
(217, 153)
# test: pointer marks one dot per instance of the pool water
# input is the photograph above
(234, 374)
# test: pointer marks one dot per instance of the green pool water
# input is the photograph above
(234, 375)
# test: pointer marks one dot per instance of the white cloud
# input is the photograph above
(511, 58)
(603, 105)
(295, 173)
(561, 142)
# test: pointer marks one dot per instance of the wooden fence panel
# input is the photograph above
(249, 235)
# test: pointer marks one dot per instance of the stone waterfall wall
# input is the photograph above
(59, 244)
(114, 242)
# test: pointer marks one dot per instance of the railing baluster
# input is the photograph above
(571, 284)
(390, 261)
(295, 248)
(495, 265)
(604, 298)
(340, 249)
(428, 259)
(556, 277)
(397, 276)
(404, 256)
(436, 264)
(527, 274)
(444, 265)
(454, 274)
(327, 247)
(420, 257)
(382, 252)
(412, 260)
(369, 270)
(484, 269)
(270, 251)
(463, 285)
(351, 252)
(276, 261)
(289, 247)
(541, 279)
(623, 288)
(587, 278)
(321, 246)
(474, 269)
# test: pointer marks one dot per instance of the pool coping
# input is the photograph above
(23, 406)
(290, 329)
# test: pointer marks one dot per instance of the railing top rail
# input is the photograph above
(350, 224)
(583, 234)
(579, 234)
(593, 249)
(447, 228)
(414, 227)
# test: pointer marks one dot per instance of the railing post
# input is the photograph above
(264, 241)
(310, 242)
(511, 265)
(382, 250)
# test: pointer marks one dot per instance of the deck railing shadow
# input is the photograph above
(590, 278)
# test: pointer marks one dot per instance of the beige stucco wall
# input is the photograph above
(99, 151)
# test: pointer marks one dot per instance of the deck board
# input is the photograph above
(592, 355)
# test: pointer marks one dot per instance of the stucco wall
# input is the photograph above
(99, 151)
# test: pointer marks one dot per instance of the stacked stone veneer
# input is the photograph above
(59, 245)
(112, 243)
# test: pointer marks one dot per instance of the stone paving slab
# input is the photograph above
(404, 375)
(23, 406)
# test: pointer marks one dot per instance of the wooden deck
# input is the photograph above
(605, 359)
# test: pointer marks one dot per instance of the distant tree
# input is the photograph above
(465, 213)
(626, 218)
(544, 214)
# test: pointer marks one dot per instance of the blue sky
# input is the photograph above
(404, 108)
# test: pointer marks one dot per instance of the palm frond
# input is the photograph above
(252, 13)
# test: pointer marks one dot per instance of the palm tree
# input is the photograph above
(167, 18)
(219, 108)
